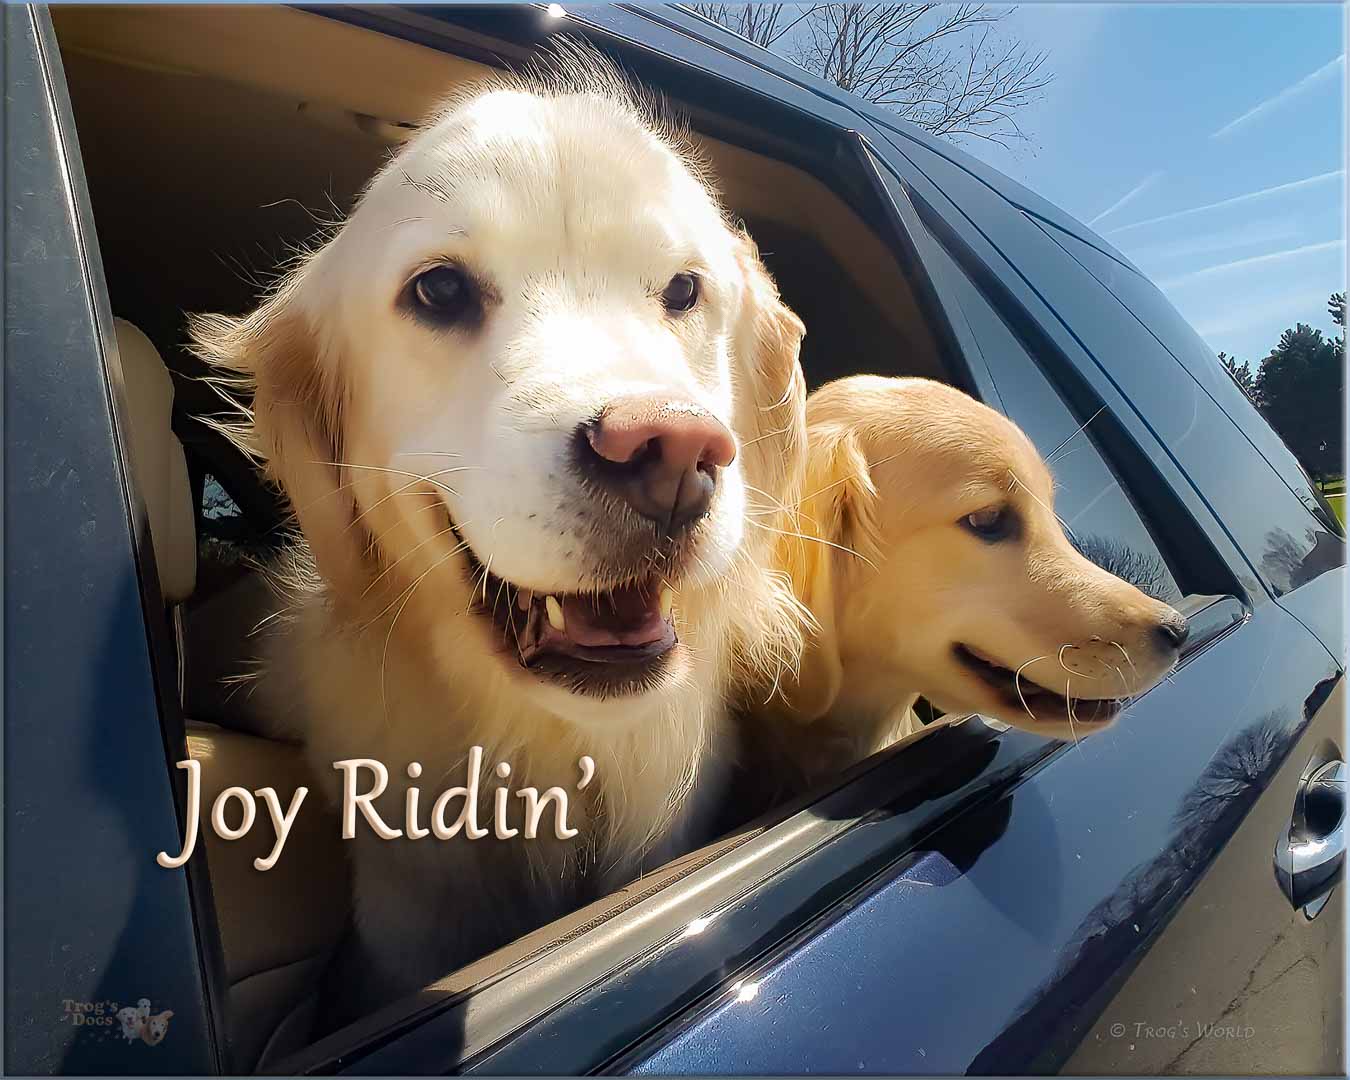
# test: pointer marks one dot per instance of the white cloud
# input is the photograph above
(1283, 97)
(1255, 260)
(1236, 200)
(1134, 192)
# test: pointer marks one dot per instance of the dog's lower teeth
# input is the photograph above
(667, 601)
(555, 614)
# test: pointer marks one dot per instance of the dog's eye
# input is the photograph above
(445, 295)
(993, 523)
(681, 294)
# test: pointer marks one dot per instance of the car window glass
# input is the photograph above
(1097, 511)
(225, 535)
(1180, 339)
(217, 502)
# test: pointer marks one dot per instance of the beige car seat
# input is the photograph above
(278, 928)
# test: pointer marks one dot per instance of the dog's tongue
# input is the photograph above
(621, 626)
(626, 616)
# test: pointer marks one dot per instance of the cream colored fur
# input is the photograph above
(571, 195)
(895, 580)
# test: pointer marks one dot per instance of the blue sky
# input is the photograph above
(1205, 141)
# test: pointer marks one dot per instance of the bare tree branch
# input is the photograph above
(763, 24)
(943, 66)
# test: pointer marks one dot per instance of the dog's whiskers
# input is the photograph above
(1124, 686)
(766, 435)
(778, 506)
(852, 476)
(404, 487)
(421, 544)
(1068, 708)
(434, 566)
(1123, 653)
(815, 540)
(392, 472)
(1068, 696)
(376, 540)
(1017, 482)
(777, 503)
(1017, 683)
(1062, 650)
(1050, 457)
(384, 654)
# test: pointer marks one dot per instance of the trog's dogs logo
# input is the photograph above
(135, 1023)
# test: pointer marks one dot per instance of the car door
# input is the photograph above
(91, 923)
(1286, 967)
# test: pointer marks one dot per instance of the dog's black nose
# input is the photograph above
(660, 455)
(1171, 635)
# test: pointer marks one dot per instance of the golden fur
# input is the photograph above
(896, 580)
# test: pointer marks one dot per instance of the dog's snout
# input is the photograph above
(1171, 633)
(660, 455)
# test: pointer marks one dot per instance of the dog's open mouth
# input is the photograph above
(1023, 696)
(606, 643)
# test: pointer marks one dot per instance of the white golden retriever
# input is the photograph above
(934, 564)
(536, 406)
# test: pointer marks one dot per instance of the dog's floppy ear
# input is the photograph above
(772, 416)
(770, 423)
(280, 356)
(837, 526)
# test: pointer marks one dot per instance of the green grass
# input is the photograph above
(1334, 493)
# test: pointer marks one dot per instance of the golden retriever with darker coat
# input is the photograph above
(931, 558)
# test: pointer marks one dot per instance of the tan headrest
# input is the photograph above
(158, 464)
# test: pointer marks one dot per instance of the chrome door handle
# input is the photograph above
(1311, 859)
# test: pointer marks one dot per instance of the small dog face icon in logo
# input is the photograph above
(130, 1019)
(156, 1027)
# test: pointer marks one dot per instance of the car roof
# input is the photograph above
(713, 34)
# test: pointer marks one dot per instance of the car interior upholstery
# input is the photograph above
(213, 148)
(277, 928)
(243, 149)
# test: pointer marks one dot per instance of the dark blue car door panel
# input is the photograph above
(1320, 606)
(91, 922)
(995, 946)
(1238, 982)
